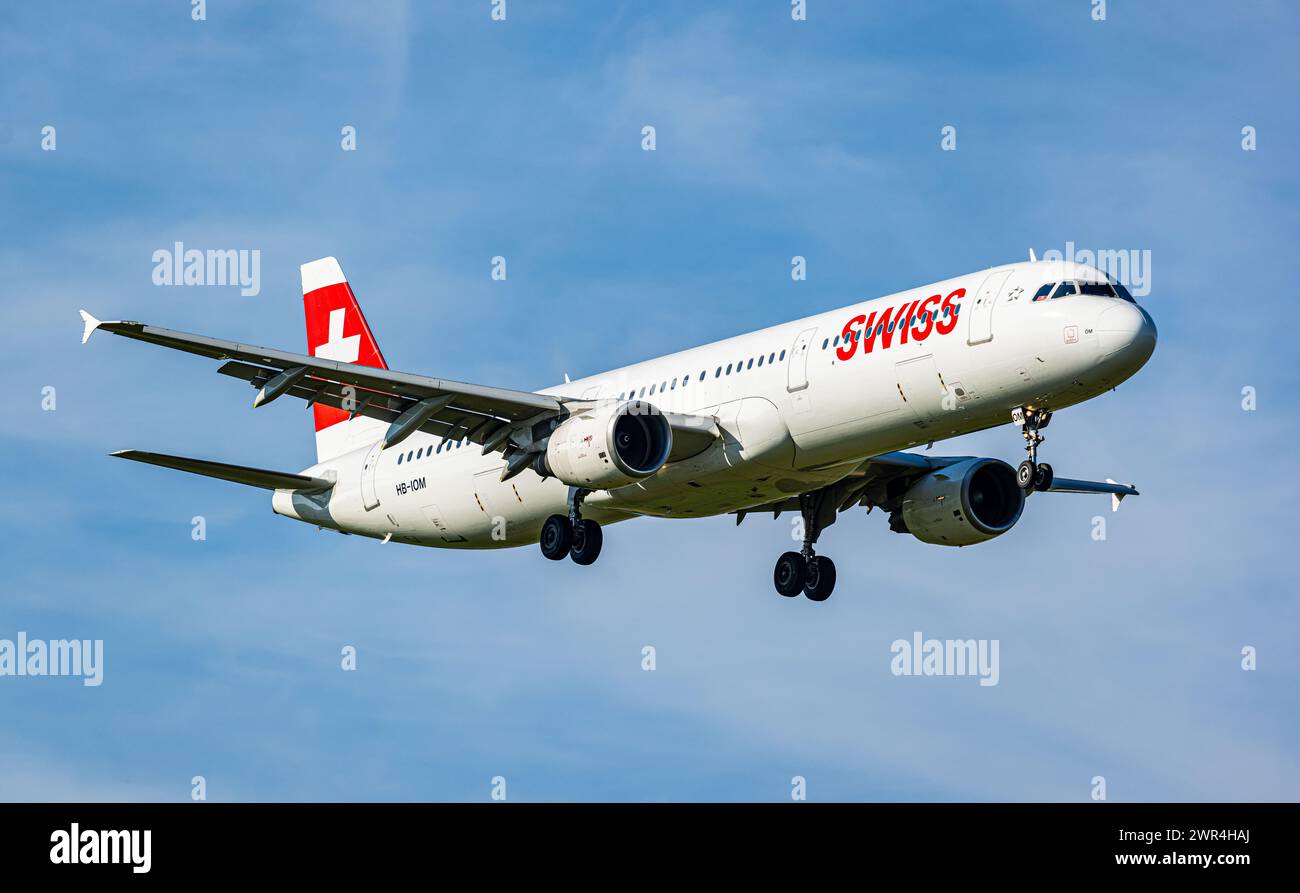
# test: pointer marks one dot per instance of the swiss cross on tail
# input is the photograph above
(336, 328)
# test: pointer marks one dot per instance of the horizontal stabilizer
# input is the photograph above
(239, 474)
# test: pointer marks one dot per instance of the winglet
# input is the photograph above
(1116, 498)
(90, 325)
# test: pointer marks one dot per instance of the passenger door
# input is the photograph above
(981, 311)
(369, 495)
(797, 378)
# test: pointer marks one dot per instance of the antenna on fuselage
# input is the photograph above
(1033, 258)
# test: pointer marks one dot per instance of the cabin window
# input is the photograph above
(782, 357)
(399, 458)
(728, 368)
(760, 362)
(750, 364)
(718, 373)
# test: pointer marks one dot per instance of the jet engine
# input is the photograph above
(607, 445)
(969, 502)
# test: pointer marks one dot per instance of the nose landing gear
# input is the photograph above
(805, 571)
(1032, 475)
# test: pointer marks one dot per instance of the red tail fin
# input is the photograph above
(336, 330)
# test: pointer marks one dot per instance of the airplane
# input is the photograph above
(812, 416)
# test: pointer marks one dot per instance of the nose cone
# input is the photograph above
(1127, 335)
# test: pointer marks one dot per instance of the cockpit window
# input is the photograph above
(1121, 291)
(1099, 289)
(1065, 288)
(1042, 293)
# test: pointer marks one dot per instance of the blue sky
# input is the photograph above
(521, 138)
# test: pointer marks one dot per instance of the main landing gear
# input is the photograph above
(805, 571)
(575, 536)
(1032, 475)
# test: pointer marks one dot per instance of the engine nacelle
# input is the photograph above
(608, 445)
(969, 502)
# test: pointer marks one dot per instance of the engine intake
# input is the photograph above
(608, 445)
(968, 502)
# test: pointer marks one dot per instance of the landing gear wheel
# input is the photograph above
(789, 574)
(557, 536)
(819, 581)
(587, 540)
(1032, 476)
(1025, 475)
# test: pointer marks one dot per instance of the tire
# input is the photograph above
(819, 582)
(1025, 474)
(587, 540)
(789, 574)
(1043, 477)
(557, 537)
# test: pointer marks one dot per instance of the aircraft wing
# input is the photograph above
(485, 415)
(882, 479)
(912, 465)
(1116, 490)
(459, 409)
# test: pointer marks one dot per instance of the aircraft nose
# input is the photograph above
(1127, 330)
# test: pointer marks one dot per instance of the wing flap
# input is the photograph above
(239, 474)
(385, 406)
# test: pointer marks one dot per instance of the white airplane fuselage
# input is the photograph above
(805, 409)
